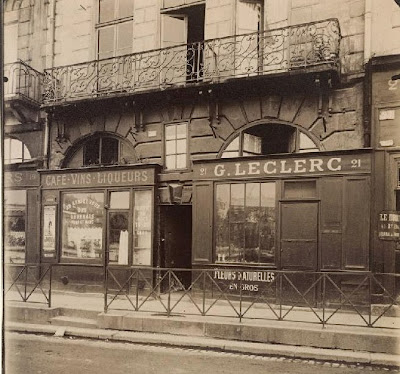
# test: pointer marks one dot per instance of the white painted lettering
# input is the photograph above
(330, 162)
(316, 164)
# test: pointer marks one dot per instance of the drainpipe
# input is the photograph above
(52, 37)
(367, 31)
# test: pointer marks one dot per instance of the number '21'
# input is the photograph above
(356, 163)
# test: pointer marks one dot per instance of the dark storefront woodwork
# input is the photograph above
(308, 212)
(21, 229)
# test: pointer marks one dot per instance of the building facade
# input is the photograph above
(204, 134)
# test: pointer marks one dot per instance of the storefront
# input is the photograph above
(98, 215)
(21, 217)
(308, 212)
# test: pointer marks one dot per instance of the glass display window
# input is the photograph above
(245, 220)
(14, 226)
(82, 225)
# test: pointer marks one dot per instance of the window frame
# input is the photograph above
(100, 138)
(276, 259)
(113, 23)
(187, 158)
(11, 190)
(297, 133)
(24, 149)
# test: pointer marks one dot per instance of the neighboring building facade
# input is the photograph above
(192, 134)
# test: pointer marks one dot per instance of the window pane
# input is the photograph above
(142, 224)
(237, 203)
(125, 38)
(27, 155)
(251, 144)
(306, 142)
(118, 224)
(106, 10)
(181, 161)
(300, 189)
(14, 226)
(170, 132)
(106, 42)
(125, 8)
(119, 200)
(181, 146)
(170, 147)
(49, 231)
(234, 145)
(236, 251)
(267, 223)
(82, 225)
(91, 152)
(170, 162)
(181, 131)
(16, 150)
(109, 151)
(222, 221)
(230, 154)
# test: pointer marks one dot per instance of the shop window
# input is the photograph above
(269, 139)
(14, 226)
(142, 223)
(245, 218)
(115, 28)
(101, 151)
(15, 151)
(176, 147)
(82, 225)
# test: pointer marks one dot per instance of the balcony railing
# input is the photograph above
(23, 82)
(271, 52)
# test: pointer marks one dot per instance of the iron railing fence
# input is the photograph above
(343, 298)
(248, 293)
(23, 82)
(31, 282)
(273, 51)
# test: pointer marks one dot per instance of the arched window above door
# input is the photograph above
(266, 139)
(15, 151)
(100, 149)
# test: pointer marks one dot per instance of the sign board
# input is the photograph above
(389, 225)
(103, 178)
(246, 282)
(289, 166)
(21, 179)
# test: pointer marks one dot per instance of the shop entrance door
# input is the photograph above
(299, 249)
(176, 238)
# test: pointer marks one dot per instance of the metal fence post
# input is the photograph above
(204, 293)
(105, 288)
(50, 281)
(26, 281)
(240, 298)
(169, 293)
(323, 299)
(370, 300)
(280, 296)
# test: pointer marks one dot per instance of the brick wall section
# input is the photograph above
(146, 25)
(385, 27)
(351, 18)
(73, 32)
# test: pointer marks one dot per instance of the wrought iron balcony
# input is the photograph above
(22, 83)
(300, 47)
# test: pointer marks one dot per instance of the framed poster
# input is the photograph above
(49, 231)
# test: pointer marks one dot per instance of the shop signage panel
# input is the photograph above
(21, 178)
(278, 167)
(246, 282)
(389, 225)
(102, 178)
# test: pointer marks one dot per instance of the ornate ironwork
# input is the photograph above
(270, 52)
(23, 81)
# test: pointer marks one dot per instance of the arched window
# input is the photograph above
(15, 151)
(266, 139)
(100, 149)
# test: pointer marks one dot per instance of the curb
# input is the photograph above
(239, 347)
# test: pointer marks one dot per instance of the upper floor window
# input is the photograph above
(176, 147)
(15, 151)
(115, 28)
(269, 139)
(101, 151)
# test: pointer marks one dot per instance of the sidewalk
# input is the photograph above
(82, 315)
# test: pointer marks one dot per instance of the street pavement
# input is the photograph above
(38, 354)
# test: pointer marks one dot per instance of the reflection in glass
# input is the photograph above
(14, 226)
(142, 223)
(245, 222)
(82, 225)
(118, 237)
